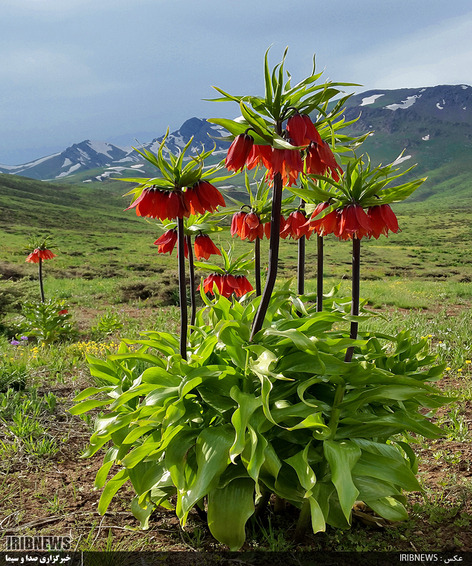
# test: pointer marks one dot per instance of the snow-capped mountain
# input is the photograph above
(96, 160)
(432, 125)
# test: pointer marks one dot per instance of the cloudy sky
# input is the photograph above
(115, 70)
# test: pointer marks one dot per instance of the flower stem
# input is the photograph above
(182, 289)
(356, 277)
(301, 259)
(301, 266)
(273, 254)
(257, 266)
(40, 275)
(319, 274)
(193, 304)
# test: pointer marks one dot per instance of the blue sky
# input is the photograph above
(113, 70)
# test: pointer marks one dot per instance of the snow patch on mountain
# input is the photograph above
(71, 170)
(370, 99)
(410, 100)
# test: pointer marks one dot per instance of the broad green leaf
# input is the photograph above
(386, 469)
(228, 511)
(111, 488)
(142, 512)
(212, 453)
(85, 406)
(318, 522)
(342, 457)
(247, 404)
(388, 508)
(306, 476)
(176, 455)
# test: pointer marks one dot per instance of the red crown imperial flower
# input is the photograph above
(38, 254)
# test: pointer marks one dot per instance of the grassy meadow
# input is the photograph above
(115, 284)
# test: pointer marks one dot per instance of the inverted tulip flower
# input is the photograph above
(325, 225)
(38, 255)
(295, 226)
(353, 223)
(227, 284)
(204, 247)
(238, 152)
(166, 243)
(41, 252)
(203, 197)
(382, 219)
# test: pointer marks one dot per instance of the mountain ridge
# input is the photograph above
(432, 124)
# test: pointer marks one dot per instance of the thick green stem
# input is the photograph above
(319, 274)
(182, 289)
(257, 266)
(193, 303)
(40, 275)
(273, 254)
(303, 522)
(356, 277)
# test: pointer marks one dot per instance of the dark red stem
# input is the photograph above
(182, 288)
(356, 276)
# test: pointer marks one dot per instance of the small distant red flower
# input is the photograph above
(166, 243)
(382, 219)
(38, 254)
(353, 223)
(296, 226)
(203, 197)
(63, 311)
(227, 284)
(155, 203)
(204, 247)
(238, 152)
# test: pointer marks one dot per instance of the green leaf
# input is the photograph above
(387, 469)
(247, 404)
(306, 476)
(388, 508)
(85, 406)
(110, 489)
(212, 453)
(142, 512)
(342, 457)
(228, 511)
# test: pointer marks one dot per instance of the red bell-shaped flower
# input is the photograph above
(382, 219)
(36, 255)
(353, 223)
(207, 196)
(204, 247)
(227, 284)
(238, 152)
(166, 243)
(295, 226)
(327, 224)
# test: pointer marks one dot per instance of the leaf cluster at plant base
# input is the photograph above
(283, 413)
